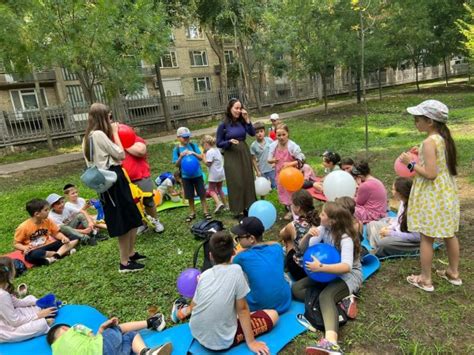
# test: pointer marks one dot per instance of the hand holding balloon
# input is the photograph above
(313, 266)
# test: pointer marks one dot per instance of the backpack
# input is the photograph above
(20, 267)
(204, 230)
(312, 310)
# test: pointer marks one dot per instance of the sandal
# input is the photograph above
(207, 216)
(190, 217)
(412, 280)
(22, 290)
(444, 275)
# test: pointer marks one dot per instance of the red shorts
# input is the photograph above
(261, 323)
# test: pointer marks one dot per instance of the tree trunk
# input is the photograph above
(446, 76)
(358, 89)
(217, 45)
(247, 70)
(416, 77)
(379, 77)
(164, 102)
(362, 78)
(87, 86)
(44, 118)
(325, 94)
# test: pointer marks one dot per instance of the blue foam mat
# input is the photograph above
(370, 264)
(69, 314)
(285, 331)
(179, 335)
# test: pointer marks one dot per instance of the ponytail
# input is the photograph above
(403, 187)
(451, 152)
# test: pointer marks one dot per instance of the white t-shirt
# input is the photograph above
(216, 170)
(76, 206)
(214, 318)
(165, 185)
(63, 218)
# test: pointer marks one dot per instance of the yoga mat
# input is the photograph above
(17, 254)
(370, 264)
(285, 331)
(179, 335)
(69, 314)
(170, 205)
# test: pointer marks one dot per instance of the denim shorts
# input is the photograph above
(116, 342)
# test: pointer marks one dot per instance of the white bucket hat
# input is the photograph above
(274, 116)
(433, 109)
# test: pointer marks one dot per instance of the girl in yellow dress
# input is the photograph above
(433, 210)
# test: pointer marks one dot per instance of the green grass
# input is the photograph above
(393, 317)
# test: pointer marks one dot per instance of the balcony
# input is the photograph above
(16, 80)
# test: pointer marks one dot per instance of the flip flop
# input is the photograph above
(190, 217)
(412, 281)
(444, 275)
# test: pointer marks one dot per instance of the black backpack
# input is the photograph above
(203, 230)
(312, 310)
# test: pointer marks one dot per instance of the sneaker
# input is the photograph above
(156, 322)
(158, 226)
(349, 305)
(72, 251)
(100, 237)
(131, 267)
(51, 260)
(142, 229)
(92, 241)
(324, 347)
(137, 256)
(178, 305)
(160, 350)
(219, 207)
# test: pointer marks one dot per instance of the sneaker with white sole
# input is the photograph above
(51, 260)
(158, 226)
(325, 347)
(349, 305)
(219, 207)
(142, 229)
(156, 322)
(176, 312)
(164, 349)
(131, 267)
(72, 251)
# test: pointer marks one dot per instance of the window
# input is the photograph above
(198, 58)
(229, 56)
(172, 86)
(168, 60)
(26, 99)
(76, 96)
(202, 84)
(194, 32)
(69, 75)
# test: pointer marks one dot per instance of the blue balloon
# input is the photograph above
(190, 165)
(326, 254)
(264, 211)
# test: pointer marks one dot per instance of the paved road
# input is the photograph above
(9, 169)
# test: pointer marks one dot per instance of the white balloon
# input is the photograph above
(338, 184)
(262, 186)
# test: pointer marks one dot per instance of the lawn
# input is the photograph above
(393, 316)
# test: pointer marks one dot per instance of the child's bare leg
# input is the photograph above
(204, 204)
(215, 198)
(452, 247)
(191, 206)
(138, 344)
(426, 258)
(131, 326)
(66, 247)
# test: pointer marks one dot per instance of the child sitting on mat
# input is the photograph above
(80, 205)
(390, 236)
(20, 319)
(263, 264)
(293, 233)
(166, 183)
(112, 338)
(336, 229)
(39, 237)
(349, 203)
(220, 316)
(331, 162)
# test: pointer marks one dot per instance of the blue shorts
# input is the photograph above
(116, 342)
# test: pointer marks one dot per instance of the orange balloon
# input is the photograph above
(157, 197)
(291, 179)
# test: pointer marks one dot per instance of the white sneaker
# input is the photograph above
(219, 207)
(142, 229)
(51, 260)
(158, 226)
(72, 251)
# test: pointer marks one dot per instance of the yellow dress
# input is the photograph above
(433, 208)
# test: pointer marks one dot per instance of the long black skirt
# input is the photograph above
(239, 177)
(121, 213)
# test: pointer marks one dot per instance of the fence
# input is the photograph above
(65, 121)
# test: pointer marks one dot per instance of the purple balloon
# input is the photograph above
(187, 282)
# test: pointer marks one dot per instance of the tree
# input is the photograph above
(443, 15)
(101, 41)
(466, 27)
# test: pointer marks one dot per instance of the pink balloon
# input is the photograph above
(402, 170)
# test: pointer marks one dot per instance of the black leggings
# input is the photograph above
(38, 256)
(331, 294)
(296, 271)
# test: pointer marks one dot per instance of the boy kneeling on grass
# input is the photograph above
(39, 237)
(112, 338)
(220, 316)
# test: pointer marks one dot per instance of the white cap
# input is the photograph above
(433, 109)
(53, 198)
(183, 132)
(274, 116)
